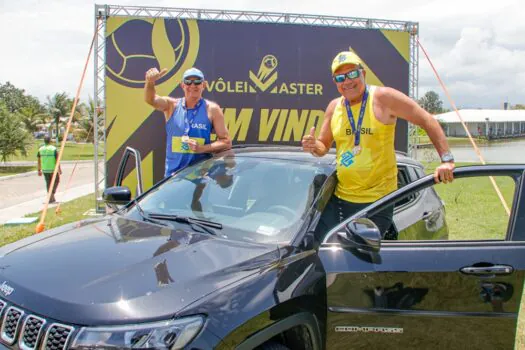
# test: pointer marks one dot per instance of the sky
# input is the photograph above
(477, 47)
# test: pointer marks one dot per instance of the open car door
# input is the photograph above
(130, 153)
(118, 195)
(457, 292)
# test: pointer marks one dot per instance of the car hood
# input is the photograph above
(117, 270)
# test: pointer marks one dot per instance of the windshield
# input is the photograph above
(255, 199)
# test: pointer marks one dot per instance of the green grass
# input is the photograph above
(473, 208)
(72, 151)
(70, 212)
(13, 170)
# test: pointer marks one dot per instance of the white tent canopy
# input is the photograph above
(481, 115)
(490, 123)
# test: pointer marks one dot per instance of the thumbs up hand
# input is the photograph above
(309, 141)
(153, 74)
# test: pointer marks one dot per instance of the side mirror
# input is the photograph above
(117, 195)
(363, 235)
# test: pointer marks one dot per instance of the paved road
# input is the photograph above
(21, 195)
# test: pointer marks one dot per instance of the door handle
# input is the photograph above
(487, 270)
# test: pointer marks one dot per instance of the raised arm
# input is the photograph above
(160, 103)
(400, 105)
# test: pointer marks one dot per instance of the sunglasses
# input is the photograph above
(353, 74)
(188, 82)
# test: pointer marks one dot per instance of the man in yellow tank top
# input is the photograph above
(362, 123)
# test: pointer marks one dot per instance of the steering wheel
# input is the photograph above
(280, 209)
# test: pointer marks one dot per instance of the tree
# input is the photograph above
(58, 107)
(32, 114)
(518, 106)
(431, 103)
(26, 107)
(13, 137)
(86, 123)
(12, 97)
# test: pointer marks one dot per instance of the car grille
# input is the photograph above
(10, 323)
(32, 331)
(23, 330)
(57, 336)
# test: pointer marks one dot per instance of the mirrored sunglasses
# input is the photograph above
(194, 81)
(353, 74)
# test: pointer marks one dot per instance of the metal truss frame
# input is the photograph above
(104, 11)
(99, 117)
(413, 86)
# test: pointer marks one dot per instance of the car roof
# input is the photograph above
(296, 153)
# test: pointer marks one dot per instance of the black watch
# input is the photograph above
(447, 157)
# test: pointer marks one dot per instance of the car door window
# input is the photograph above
(414, 174)
(420, 172)
(403, 178)
(411, 212)
(466, 209)
(474, 210)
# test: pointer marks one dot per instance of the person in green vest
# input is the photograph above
(47, 159)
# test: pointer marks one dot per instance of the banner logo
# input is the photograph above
(264, 78)
(265, 81)
(159, 43)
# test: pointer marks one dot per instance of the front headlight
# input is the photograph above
(172, 334)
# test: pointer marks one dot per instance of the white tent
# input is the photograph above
(493, 123)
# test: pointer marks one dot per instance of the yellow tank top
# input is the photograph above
(371, 174)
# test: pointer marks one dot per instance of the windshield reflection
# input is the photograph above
(220, 171)
(255, 199)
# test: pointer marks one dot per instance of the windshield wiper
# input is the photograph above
(201, 223)
(146, 217)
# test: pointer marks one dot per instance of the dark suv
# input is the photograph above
(222, 255)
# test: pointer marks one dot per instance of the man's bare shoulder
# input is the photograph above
(334, 102)
(332, 105)
(213, 108)
(212, 105)
(172, 104)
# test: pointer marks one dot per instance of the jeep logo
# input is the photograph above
(6, 289)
